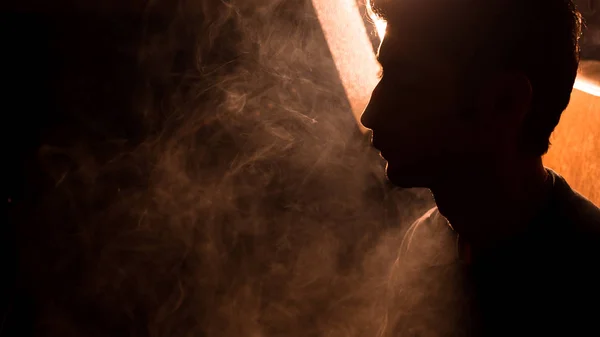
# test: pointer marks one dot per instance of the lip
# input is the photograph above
(380, 149)
(376, 145)
(377, 148)
(381, 152)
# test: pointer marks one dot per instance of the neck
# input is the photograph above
(489, 204)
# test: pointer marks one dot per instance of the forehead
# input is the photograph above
(408, 8)
(431, 30)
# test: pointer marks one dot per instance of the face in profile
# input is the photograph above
(421, 112)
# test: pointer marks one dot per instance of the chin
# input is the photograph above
(407, 176)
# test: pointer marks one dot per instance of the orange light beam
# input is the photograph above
(352, 50)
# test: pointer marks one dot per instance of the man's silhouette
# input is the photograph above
(470, 92)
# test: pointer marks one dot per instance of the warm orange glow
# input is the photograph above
(575, 150)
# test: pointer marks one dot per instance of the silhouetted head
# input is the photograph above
(469, 83)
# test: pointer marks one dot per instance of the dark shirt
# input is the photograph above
(543, 282)
(547, 280)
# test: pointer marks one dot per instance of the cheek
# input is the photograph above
(415, 109)
(493, 137)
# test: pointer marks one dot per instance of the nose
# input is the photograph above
(368, 117)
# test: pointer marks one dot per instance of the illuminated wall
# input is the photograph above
(576, 150)
(351, 48)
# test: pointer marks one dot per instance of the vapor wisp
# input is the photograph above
(251, 206)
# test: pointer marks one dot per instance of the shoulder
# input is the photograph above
(580, 247)
(577, 226)
(582, 216)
